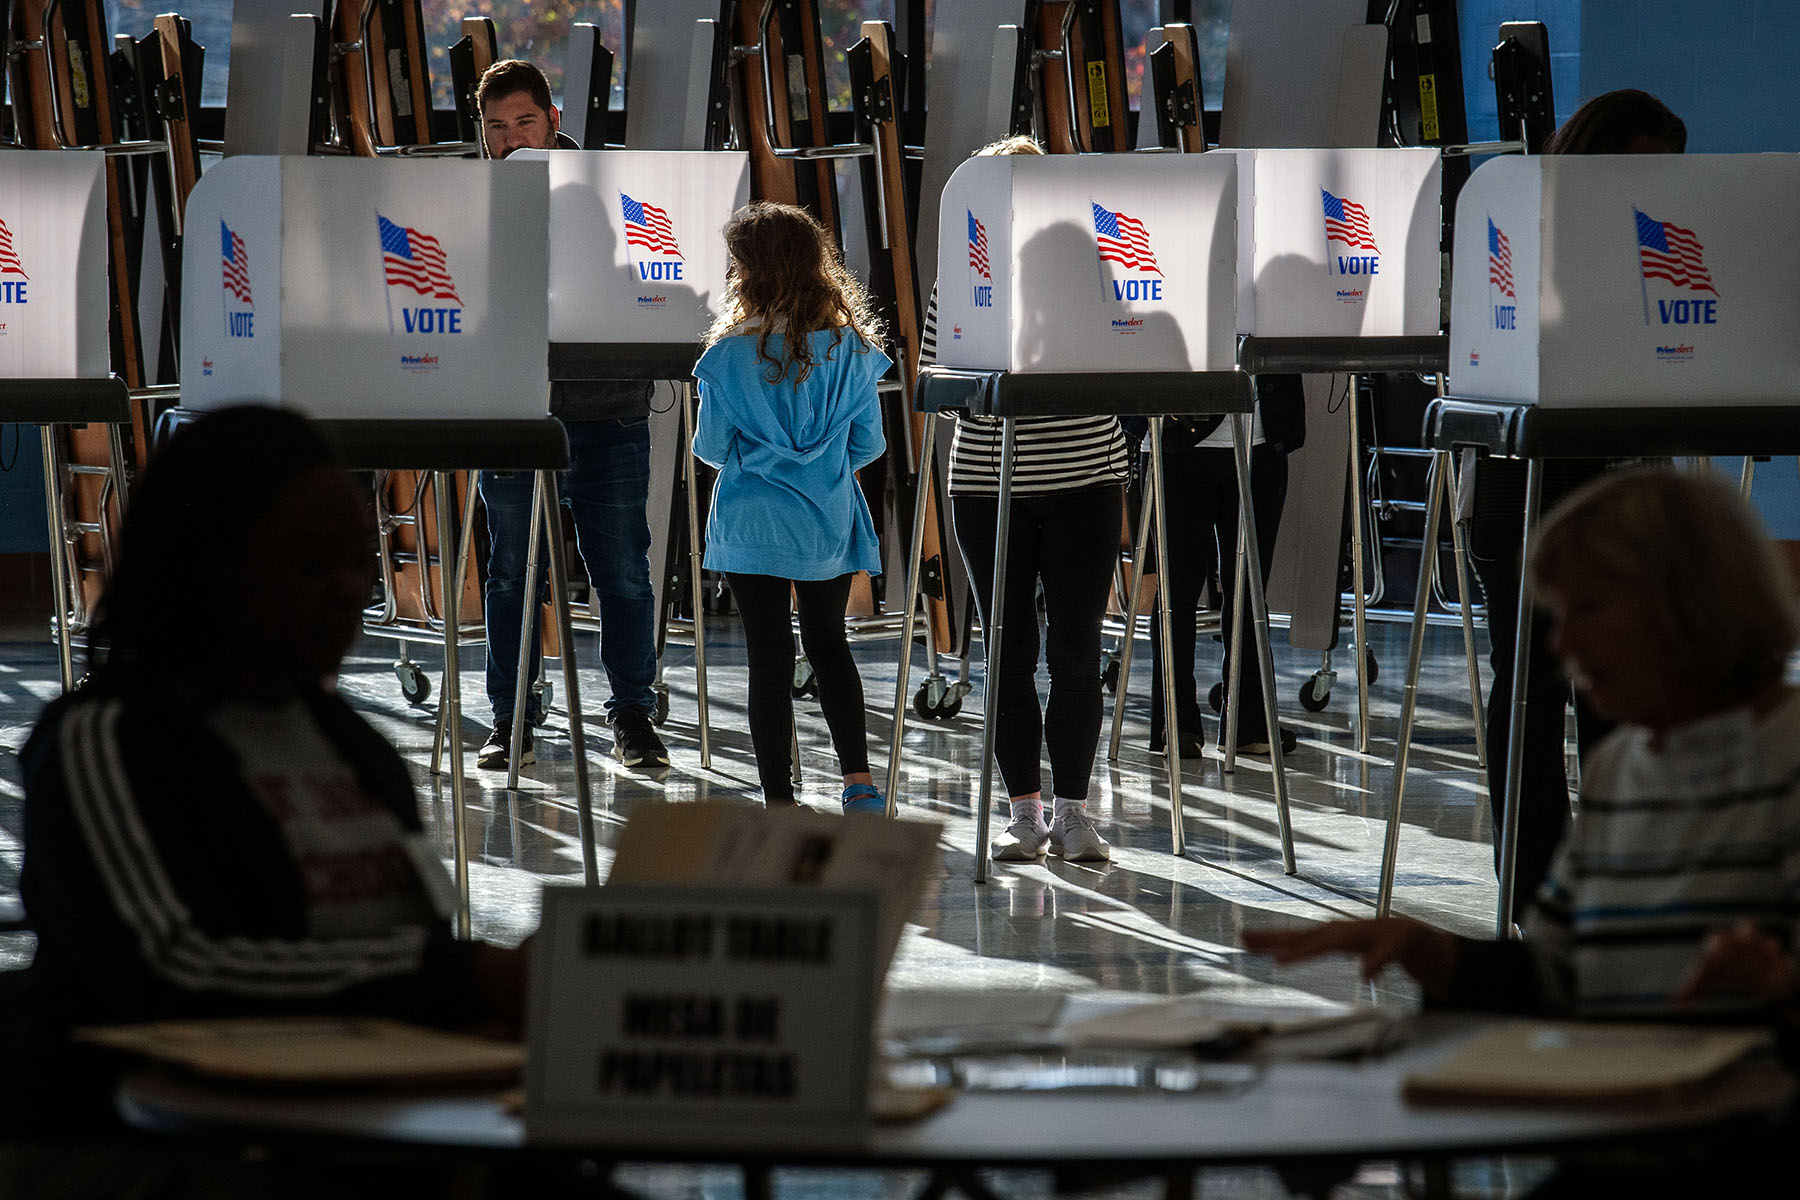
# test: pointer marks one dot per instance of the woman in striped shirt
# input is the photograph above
(1067, 505)
(1677, 889)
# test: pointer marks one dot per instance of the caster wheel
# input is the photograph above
(659, 713)
(1315, 694)
(415, 684)
(935, 702)
(805, 682)
(1216, 697)
(1109, 673)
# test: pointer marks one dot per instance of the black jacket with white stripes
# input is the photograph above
(161, 888)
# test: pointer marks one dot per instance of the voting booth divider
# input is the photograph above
(1082, 284)
(637, 277)
(1628, 281)
(55, 355)
(1339, 272)
(403, 305)
(1609, 307)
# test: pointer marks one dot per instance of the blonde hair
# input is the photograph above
(1697, 560)
(1018, 144)
(786, 278)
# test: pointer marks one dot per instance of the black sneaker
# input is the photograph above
(1192, 744)
(1258, 742)
(494, 750)
(635, 742)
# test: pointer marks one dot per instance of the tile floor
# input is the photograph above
(1148, 923)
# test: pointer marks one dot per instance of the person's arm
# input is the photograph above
(867, 441)
(713, 433)
(133, 919)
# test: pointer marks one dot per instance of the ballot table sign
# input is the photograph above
(637, 251)
(1089, 263)
(1339, 243)
(351, 288)
(53, 292)
(1628, 281)
(701, 1016)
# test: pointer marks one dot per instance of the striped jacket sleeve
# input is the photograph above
(131, 897)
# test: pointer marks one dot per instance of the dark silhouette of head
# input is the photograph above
(1623, 122)
(245, 561)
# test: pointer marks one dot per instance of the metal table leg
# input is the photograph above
(464, 545)
(1409, 692)
(991, 633)
(696, 588)
(541, 483)
(565, 634)
(1466, 593)
(1515, 727)
(450, 702)
(1265, 652)
(1234, 672)
(1134, 598)
(1171, 723)
(59, 549)
(903, 675)
(1358, 609)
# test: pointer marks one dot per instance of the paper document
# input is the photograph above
(1534, 1060)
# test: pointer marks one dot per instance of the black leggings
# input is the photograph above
(762, 601)
(1070, 542)
(1200, 487)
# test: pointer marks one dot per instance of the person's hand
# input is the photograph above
(1741, 961)
(1425, 953)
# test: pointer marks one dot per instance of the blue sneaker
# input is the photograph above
(864, 798)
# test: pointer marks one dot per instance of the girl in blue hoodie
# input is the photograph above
(788, 413)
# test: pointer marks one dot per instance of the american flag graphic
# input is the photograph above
(648, 226)
(978, 247)
(415, 260)
(236, 263)
(1348, 222)
(1123, 240)
(1500, 261)
(9, 258)
(1667, 251)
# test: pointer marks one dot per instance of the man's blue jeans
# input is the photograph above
(606, 486)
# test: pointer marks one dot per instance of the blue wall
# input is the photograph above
(1728, 69)
(22, 527)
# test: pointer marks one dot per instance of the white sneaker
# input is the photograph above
(1075, 838)
(1025, 840)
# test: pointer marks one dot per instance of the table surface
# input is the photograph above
(1288, 1112)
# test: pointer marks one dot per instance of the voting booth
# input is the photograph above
(1339, 243)
(636, 251)
(353, 288)
(1089, 264)
(1339, 271)
(53, 293)
(1073, 285)
(1637, 280)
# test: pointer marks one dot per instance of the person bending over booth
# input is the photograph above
(1621, 122)
(209, 829)
(606, 488)
(1067, 505)
(1673, 893)
(1200, 484)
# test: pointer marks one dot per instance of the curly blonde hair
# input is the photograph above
(786, 278)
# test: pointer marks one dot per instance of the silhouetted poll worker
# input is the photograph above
(209, 829)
